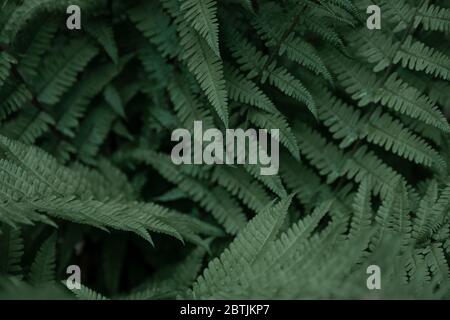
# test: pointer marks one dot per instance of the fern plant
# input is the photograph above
(86, 177)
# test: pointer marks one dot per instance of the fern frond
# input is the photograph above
(393, 93)
(417, 56)
(434, 18)
(13, 97)
(73, 104)
(22, 13)
(43, 268)
(362, 206)
(425, 213)
(273, 183)
(104, 34)
(343, 121)
(60, 70)
(243, 90)
(432, 213)
(249, 244)
(267, 121)
(398, 13)
(363, 163)
(172, 281)
(240, 184)
(377, 48)
(28, 126)
(93, 132)
(297, 50)
(13, 288)
(398, 95)
(324, 30)
(394, 214)
(328, 159)
(6, 63)
(430, 16)
(258, 64)
(202, 15)
(383, 130)
(58, 198)
(11, 252)
(207, 68)
(297, 235)
(309, 188)
(86, 293)
(36, 47)
(156, 26)
(437, 262)
(186, 105)
(215, 200)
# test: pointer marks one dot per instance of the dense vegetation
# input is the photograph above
(86, 178)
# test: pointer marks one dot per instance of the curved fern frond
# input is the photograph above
(61, 70)
(417, 56)
(276, 36)
(394, 214)
(215, 200)
(267, 121)
(207, 68)
(43, 35)
(273, 183)
(28, 174)
(343, 121)
(362, 217)
(11, 251)
(249, 244)
(86, 293)
(202, 15)
(243, 90)
(186, 105)
(327, 158)
(174, 281)
(156, 26)
(258, 64)
(73, 104)
(383, 130)
(28, 126)
(393, 93)
(239, 183)
(434, 18)
(104, 34)
(6, 63)
(405, 99)
(13, 98)
(43, 268)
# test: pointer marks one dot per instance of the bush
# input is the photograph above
(86, 118)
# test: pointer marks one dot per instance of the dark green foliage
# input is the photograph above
(86, 178)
